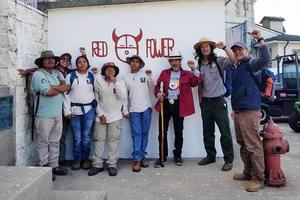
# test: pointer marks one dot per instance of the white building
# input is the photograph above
(26, 31)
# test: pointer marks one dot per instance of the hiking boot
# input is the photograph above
(178, 161)
(95, 170)
(112, 171)
(136, 166)
(158, 163)
(227, 167)
(76, 165)
(241, 177)
(254, 186)
(144, 163)
(60, 171)
(86, 164)
(207, 160)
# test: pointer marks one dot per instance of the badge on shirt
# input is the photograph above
(43, 80)
(174, 84)
(143, 80)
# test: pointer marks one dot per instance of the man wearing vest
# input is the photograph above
(245, 101)
(212, 102)
(177, 98)
(48, 85)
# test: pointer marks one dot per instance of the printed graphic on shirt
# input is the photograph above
(143, 80)
(174, 84)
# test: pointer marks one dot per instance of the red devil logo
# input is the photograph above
(126, 45)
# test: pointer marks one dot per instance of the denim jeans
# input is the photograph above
(81, 129)
(140, 124)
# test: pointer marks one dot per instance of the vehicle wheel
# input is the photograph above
(265, 115)
(294, 122)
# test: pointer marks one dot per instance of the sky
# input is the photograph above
(288, 9)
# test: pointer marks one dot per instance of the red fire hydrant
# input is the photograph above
(274, 145)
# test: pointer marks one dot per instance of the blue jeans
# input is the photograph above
(140, 125)
(81, 129)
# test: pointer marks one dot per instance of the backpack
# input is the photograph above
(264, 80)
(226, 79)
(30, 100)
(73, 76)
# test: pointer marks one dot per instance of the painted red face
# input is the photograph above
(126, 45)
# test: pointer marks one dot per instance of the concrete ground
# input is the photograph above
(189, 182)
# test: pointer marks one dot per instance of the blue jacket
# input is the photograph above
(245, 93)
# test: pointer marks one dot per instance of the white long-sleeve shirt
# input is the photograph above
(138, 85)
(110, 97)
(81, 92)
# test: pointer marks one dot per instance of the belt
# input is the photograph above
(241, 110)
(212, 98)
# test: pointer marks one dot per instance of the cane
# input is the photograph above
(162, 127)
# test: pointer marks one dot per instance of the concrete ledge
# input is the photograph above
(20, 183)
(79, 3)
(78, 195)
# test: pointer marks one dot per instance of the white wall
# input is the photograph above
(184, 21)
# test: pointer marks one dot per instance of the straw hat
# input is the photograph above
(175, 55)
(205, 40)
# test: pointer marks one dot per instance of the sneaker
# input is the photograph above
(95, 170)
(86, 164)
(207, 160)
(76, 165)
(178, 161)
(158, 163)
(227, 167)
(241, 177)
(112, 171)
(136, 166)
(254, 186)
(60, 171)
(144, 163)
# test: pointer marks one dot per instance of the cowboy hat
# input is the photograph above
(205, 40)
(129, 59)
(107, 65)
(175, 55)
(46, 54)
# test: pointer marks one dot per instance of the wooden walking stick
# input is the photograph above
(162, 127)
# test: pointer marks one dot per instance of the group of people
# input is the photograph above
(94, 102)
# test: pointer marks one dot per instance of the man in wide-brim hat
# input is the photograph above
(139, 83)
(48, 84)
(46, 55)
(212, 102)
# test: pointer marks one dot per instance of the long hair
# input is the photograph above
(200, 57)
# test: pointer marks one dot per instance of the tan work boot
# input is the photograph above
(145, 163)
(241, 177)
(136, 166)
(254, 186)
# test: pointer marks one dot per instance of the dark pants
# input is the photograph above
(171, 110)
(62, 142)
(215, 110)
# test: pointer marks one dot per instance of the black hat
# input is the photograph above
(107, 65)
(129, 59)
(46, 54)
